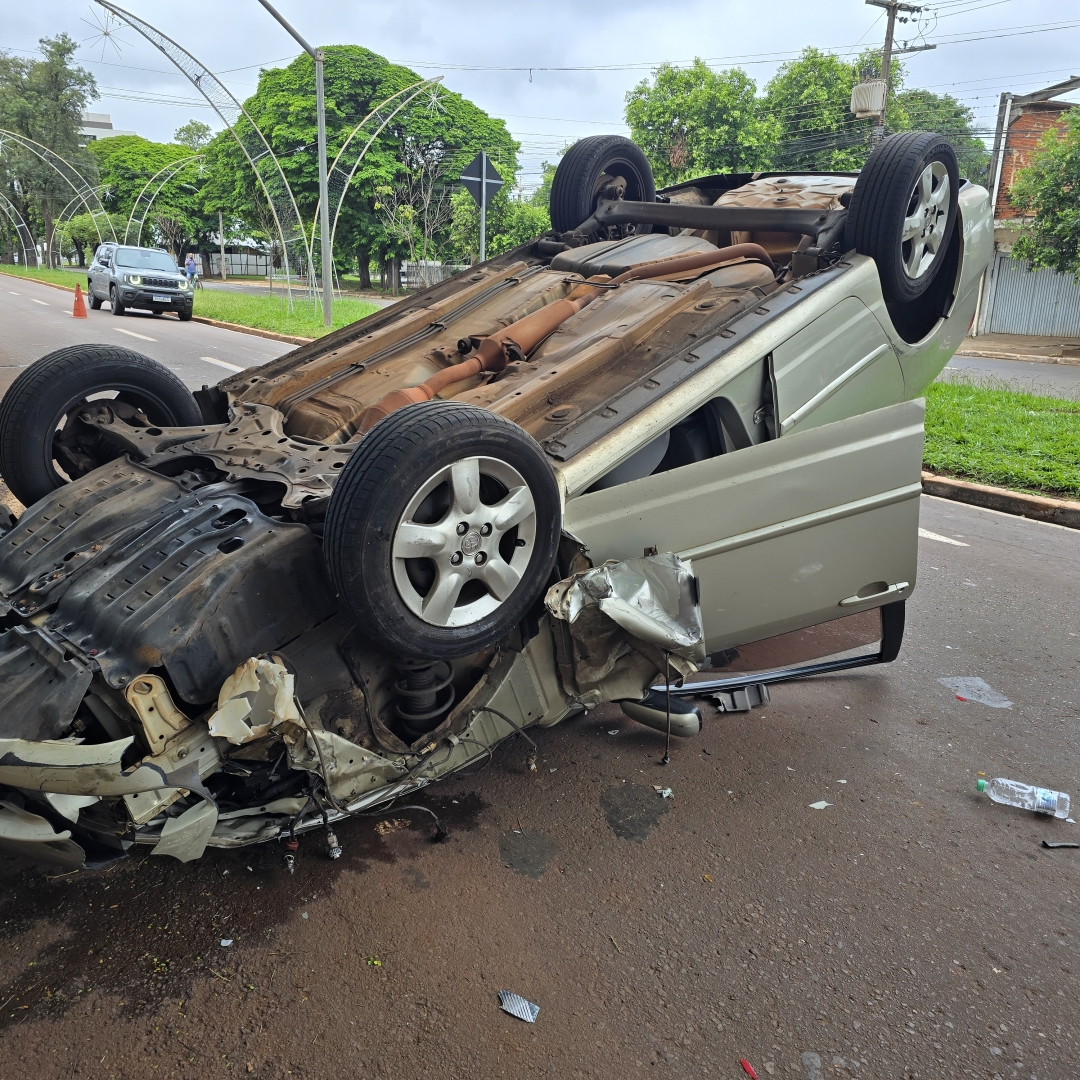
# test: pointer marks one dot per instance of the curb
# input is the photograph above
(1038, 507)
(1035, 358)
(290, 339)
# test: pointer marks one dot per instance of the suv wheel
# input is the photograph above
(114, 301)
(442, 529)
(95, 300)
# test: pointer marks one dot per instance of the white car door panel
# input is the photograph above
(841, 365)
(784, 534)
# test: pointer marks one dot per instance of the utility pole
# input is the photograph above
(887, 53)
(221, 240)
(324, 200)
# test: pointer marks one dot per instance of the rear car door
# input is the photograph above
(784, 534)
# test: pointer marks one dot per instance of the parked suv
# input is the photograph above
(138, 277)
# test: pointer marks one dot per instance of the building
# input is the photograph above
(98, 125)
(1014, 299)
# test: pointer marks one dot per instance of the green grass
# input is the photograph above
(270, 312)
(57, 277)
(1004, 438)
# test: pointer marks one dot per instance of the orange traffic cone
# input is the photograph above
(80, 306)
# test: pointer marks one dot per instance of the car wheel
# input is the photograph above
(48, 395)
(114, 301)
(157, 311)
(588, 172)
(442, 529)
(95, 301)
(185, 316)
(903, 211)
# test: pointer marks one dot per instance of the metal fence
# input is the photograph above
(418, 275)
(1024, 301)
(246, 264)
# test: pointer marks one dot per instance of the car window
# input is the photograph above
(145, 259)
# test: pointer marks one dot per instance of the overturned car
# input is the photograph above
(597, 468)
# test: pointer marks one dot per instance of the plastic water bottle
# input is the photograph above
(1038, 799)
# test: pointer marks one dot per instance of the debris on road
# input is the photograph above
(821, 804)
(975, 689)
(226, 942)
(1026, 797)
(663, 792)
(516, 1005)
(748, 1068)
(1059, 843)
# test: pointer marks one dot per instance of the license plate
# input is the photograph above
(162, 299)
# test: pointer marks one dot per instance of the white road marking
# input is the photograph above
(221, 363)
(41, 302)
(15, 293)
(121, 330)
(926, 534)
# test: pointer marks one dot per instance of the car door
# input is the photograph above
(840, 365)
(784, 534)
(100, 275)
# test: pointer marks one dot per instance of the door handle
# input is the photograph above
(892, 590)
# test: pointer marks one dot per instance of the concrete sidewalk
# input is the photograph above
(1022, 347)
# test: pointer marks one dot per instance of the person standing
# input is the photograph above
(191, 269)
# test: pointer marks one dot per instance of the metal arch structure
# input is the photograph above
(145, 199)
(82, 189)
(247, 135)
(340, 175)
(65, 215)
(22, 230)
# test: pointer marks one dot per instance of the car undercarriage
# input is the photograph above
(331, 580)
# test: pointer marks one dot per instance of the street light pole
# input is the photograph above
(324, 199)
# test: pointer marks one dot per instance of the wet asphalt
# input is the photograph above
(910, 929)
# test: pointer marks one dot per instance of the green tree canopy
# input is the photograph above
(43, 99)
(921, 110)
(445, 128)
(1049, 190)
(195, 135)
(692, 121)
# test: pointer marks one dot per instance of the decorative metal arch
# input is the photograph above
(248, 137)
(65, 215)
(73, 177)
(142, 204)
(22, 230)
(339, 177)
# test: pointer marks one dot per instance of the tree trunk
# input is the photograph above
(363, 264)
(80, 252)
(47, 217)
(395, 275)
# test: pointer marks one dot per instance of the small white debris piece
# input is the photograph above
(614, 731)
(663, 792)
(226, 942)
(257, 696)
(841, 781)
(821, 804)
(790, 769)
(926, 534)
(303, 914)
(517, 1006)
(974, 689)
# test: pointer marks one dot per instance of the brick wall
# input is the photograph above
(1023, 138)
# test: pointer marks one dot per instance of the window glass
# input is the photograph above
(145, 259)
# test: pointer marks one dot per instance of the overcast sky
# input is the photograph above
(503, 55)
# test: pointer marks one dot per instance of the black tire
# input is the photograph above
(51, 389)
(185, 316)
(400, 460)
(95, 301)
(114, 301)
(576, 188)
(886, 193)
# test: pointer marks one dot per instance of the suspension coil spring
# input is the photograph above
(425, 693)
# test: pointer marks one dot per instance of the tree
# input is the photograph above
(446, 128)
(44, 100)
(1049, 190)
(195, 135)
(694, 120)
(921, 110)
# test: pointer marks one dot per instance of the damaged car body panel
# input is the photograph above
(605, 460)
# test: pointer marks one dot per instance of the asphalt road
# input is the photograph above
(911, 929)
(35, 320)
(1033, 377)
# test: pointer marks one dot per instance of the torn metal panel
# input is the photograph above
(161, 719)
(30, 835)
(257, 696)
(70, 805)
(40, 687)
(185, 837)
(626, 620)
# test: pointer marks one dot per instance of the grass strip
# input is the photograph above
(264, 312)
(67, 278)
(1005, 438)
